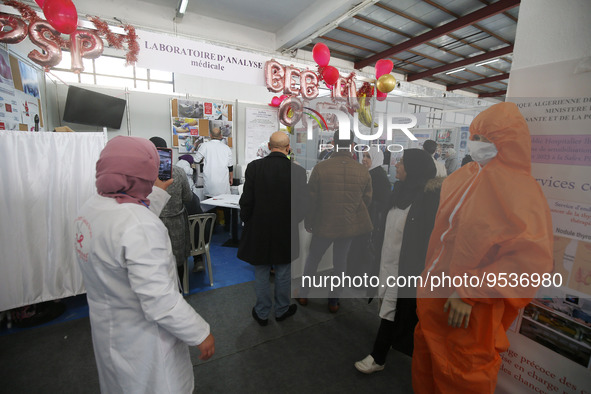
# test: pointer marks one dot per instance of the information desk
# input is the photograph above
(226, 201)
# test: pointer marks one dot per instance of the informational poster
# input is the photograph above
(6, 81)
(19, 94)
(260, 124)
(550, 348)
(192, 121)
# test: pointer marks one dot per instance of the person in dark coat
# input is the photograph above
(413, 207)
(271, 206)
(364, 255)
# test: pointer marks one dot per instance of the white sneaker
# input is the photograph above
(368, 365)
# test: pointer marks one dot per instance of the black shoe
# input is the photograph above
(290, 312)
(262, 322)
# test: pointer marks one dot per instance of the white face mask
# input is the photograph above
(482, 152)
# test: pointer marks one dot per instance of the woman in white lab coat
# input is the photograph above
(141, 325)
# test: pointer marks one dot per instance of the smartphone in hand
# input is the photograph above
(165, 169)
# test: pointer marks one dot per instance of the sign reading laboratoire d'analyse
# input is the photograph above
(174, 54)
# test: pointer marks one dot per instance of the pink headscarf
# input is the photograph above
(126, 170)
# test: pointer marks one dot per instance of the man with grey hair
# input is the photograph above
(217, 165)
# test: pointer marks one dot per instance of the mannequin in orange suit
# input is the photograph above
(493, 219)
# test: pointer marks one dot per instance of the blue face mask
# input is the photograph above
(482, 152)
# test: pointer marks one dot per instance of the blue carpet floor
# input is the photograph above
(227, 270)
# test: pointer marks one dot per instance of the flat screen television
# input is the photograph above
(90, 108)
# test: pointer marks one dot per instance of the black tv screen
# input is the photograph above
(94, 109)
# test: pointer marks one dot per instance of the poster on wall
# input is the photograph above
(192, 121)
(260, 124)
(19, 94)
(29, 79)
(6, 81)
(551, 340)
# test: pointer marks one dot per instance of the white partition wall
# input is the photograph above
(45, 178)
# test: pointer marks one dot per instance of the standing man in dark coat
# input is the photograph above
(271, 206)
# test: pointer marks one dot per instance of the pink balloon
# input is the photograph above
(18, 29)
(274, 73)
(380, 96)
(290, 111)
(52, 55)
(283, 97)
(330, 75)
(309, 84)
(61, 14)
(275, 101)
(84, 44)
(321, 54)
(383, 66)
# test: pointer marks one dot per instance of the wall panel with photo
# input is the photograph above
(192, 121)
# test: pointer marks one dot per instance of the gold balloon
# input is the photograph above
(386, 83)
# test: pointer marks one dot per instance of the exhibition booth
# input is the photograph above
(46, 176)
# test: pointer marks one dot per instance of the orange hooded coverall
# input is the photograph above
(492, 219)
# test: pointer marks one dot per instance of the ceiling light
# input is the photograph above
(183, 6)
(487, 62)
(455, 71)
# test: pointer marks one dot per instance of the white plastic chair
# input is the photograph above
(201, 247)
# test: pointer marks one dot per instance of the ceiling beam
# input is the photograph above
(467, 20)
(493, 94)
(478, 82)
(461, 63)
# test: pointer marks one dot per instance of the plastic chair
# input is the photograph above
(201, 247)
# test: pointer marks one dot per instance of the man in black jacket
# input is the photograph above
(271, 206)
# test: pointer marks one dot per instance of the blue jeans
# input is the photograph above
(262, 289)
(340, 251)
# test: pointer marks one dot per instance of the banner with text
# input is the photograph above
(174, 54)
(551, 340)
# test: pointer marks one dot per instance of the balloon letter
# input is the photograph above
(274, 73)
(53, 54)
(290, 82)
(84, 44)
(18, 29)
(290, 111)
(309, 84)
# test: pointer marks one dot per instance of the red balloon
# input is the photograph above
(330, 75)
(283, 97)
(321, 54)
(383, 66)
(40, 3)
(61, 14)
(380, 96)
(275, 101)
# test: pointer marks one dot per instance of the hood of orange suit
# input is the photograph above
(505, 126)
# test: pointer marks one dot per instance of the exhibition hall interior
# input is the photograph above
(204, 82)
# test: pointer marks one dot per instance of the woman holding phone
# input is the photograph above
(141, 325)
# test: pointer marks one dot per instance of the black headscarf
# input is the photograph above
(158, 142)
(419, 167)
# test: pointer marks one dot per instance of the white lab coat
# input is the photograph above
(141, 325)
(390, 261)
(440, 167)
(217, 158)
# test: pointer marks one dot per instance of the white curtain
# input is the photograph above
(44, 180)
